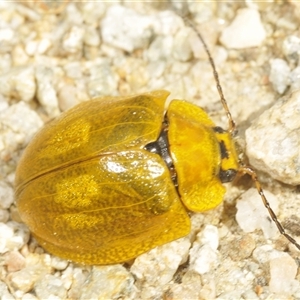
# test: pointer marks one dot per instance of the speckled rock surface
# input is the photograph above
(53, 57)
(278, 152)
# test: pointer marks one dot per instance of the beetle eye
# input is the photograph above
(227, 175)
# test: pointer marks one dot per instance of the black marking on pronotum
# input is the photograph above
(224, 151)
(219, 129)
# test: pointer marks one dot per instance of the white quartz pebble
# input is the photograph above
(246, 30)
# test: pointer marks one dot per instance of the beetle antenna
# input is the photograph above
(243, 169)
(248, 170)
(232, 126)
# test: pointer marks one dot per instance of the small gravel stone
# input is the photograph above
(28, 13)
(4, 215)
(250, 294)
(46, 92)
(6, 195)
(5, 65)
(280, 75)
(19, 83)
(50, 287)
(136, 75)
(291, 48)
(3, 103)
(166, 23)
(108, 282)
(5, 234)
(92, 13)
(31, 47)
(73, 70)
(29, 297)
(13, 236)
(37, 266)
(182, 49)
(6, 35)
(74, 279)
(5, 294)
(283, 271)
(73, 40)
(125, 33)
(103, 81)
(14, 261)
(58, 263)
(242, 248)
(190, 288)
(18, 123)
(73, 14)
(160, 48)
(239, 276)
(273, 140)
(203, 254)
(263, 254)
(252, 215)
(20, 57)
(159, 265)
(91, 36)
(245, 31)
(43, 45)
(295, 79)
(67, 97)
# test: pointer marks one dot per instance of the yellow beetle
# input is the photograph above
(113, 177)
(109, 179)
